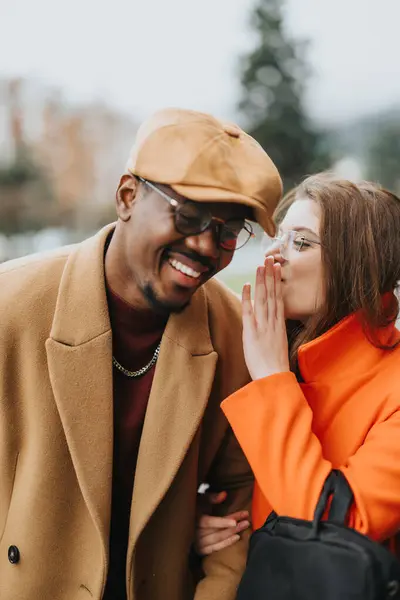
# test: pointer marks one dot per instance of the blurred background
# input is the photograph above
(317, 83)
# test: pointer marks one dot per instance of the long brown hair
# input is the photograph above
(284, 205)
(360, 246)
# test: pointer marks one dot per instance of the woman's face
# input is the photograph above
(302, 277)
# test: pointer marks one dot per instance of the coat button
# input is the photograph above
(392, 588)
(13, 555)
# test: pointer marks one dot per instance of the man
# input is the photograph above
(115, 356)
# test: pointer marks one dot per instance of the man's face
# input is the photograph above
(165, 266)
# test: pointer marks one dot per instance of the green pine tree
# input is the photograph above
(383, 156)
(273, 76)
(26, 200)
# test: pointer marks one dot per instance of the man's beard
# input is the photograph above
(161, 307)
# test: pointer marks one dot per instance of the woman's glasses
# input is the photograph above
(286, 243)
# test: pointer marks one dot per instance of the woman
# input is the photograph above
(329, 396)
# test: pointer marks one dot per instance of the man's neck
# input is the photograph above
(120, 281)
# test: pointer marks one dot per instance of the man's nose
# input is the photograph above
(205, 243)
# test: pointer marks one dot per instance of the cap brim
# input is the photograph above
(210, 194)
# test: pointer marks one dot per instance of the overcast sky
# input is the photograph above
(140, 56)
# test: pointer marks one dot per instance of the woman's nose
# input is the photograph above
(275, 251)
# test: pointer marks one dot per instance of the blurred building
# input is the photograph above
(84, 151)
(79, 151)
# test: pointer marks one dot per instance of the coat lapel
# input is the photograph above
(79, 354)
(181, 388)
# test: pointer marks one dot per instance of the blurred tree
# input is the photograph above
(383, 156)
(24, 191)
(25, 196)
(273, 77)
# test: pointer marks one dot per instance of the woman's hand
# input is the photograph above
(264, 330)
(216, 533)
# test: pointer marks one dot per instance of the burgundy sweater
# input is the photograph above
(135, 338)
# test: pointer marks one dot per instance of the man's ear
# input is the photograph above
(125, 196)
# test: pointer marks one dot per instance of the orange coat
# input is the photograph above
(346, 415)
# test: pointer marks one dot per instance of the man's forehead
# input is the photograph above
(223, 210)
(228, 210)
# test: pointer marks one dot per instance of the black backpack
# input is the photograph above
(294, 559)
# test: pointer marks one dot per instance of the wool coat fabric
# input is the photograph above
(56, 437)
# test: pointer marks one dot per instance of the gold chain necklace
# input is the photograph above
(141, 371)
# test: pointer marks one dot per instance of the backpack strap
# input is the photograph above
(324, 498)
(341, 500)
(336, 487)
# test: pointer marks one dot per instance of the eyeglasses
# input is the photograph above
(191, 218)
(287, 242)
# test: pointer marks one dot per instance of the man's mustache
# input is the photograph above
(205, 262)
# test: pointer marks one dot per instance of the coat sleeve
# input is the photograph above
(288, 462)
(223, 569)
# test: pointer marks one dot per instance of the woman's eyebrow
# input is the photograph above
(300, 228)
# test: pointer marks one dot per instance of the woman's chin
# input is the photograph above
(292, 313)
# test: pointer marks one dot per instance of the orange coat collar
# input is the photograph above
(343, 351)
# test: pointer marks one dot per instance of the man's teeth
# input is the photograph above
(183, 268)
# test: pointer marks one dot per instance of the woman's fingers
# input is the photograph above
(278, 293)
(240, 515)
(206, 549)
(270, 288)
(221, 534)
(260, 299)
(210, 540)
(210, 522)
(240, 518)
(249, 324)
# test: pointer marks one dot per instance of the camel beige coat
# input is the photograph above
(56, 436)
